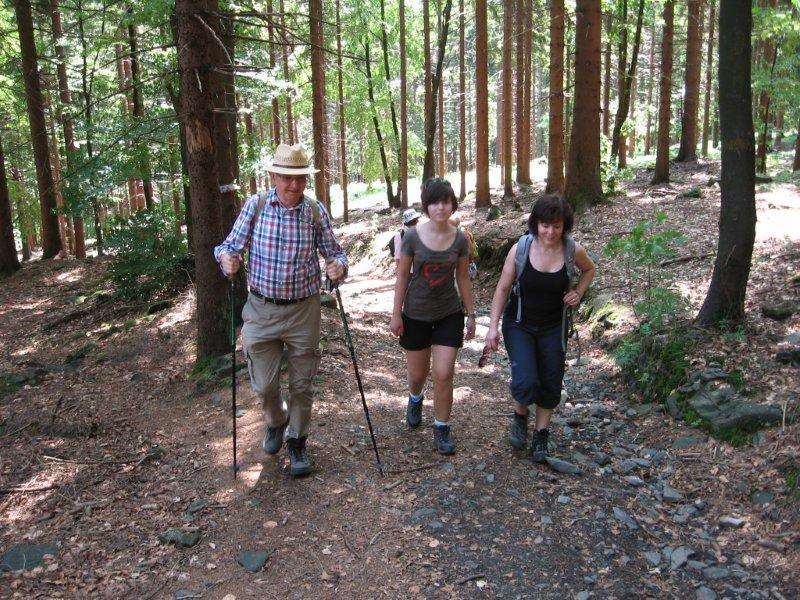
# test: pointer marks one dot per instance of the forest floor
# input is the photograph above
(107, 443)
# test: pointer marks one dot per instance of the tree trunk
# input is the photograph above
(568, 75)
(582, 186)
(202, 90)
(462, 101)
(290, 125)
(387, 176)
(482, 198)
(426, 67)
(661, 174)
(521, 126)
(624, 107)
(177, 105)
(342, 128)
(555, 136)
(402, 184)
(428, 168)
(648, 135)
(318, 115)
(226, 140)
(622, 61)
(709, 70)
(632, 116)
(607, 78)
(691, 94)
(9, 262)
(275, 108)
(796, 162)
(769, 57)
(55, 166)
(508, 46)
(138, 111)
(66, 122)
(387, 72)
(441, 152)
(737, 222)
(51, 243)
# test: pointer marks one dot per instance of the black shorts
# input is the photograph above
(419, 335)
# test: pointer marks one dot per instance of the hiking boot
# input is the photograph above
(442, 440)
(414, 413)
(518, 432)
(539, 445)
(299, 463)
(273, 438)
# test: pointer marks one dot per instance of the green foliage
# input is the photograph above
(654, 364)
(149, 257)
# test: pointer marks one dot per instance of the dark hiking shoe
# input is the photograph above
(518, 432)
(414, 413)
(442, 440)
(273, 439)
(539, 445)
(299, 463)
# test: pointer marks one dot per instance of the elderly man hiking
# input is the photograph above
(283, 230)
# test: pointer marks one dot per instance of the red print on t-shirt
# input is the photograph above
(437, 273)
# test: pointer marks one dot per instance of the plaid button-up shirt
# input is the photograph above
(282, 258)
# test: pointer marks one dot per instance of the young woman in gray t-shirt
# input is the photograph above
(429, 312)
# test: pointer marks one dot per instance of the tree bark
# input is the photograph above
(9, 261)
(318, 115)
(796, 162)
(202, 90)
(342, 127)
(290, 125)
(691, 94)
(275, 108)
(648, 135)
(402, 184)
(607, 78)
(462, 101)
(709, 69)
(555, 136)
(737, 222)
(430, 133)
(521, 126)
(426, 65)
(661, 174)
(582, 185)
(138, 111)
(387, 175)
(482, 198)
(768, 59)
(51, 242)
(508, 46)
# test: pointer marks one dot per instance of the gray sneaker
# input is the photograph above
(518, 432)
(414, 413)
(299, 463)
(442, 440)
(273, 438)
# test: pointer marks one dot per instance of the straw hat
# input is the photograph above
(291, 160)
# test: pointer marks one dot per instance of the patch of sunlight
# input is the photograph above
(23, 351)
(182, 311)
(22, 512)
(778, 211)
(70, 276)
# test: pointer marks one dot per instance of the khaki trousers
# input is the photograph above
(267, 329)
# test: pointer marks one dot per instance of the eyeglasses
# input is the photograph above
(297, 178)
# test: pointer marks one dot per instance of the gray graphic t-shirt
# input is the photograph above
(431, 293)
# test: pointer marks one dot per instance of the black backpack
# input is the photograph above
(390, 245)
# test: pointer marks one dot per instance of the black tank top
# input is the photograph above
(542, 296)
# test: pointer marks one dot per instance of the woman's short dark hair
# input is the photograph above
(551, 208)
(436, 189)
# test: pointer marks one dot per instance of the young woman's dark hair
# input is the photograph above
(436, 189)
(551, 208)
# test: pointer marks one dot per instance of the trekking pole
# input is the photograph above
(349, 342)
(232, 299)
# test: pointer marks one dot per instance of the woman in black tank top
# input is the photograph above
(534, 342)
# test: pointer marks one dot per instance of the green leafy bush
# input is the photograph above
(150, 257)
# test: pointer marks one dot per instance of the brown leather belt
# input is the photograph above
(277, 301)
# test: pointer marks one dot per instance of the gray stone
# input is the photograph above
(731, 521)
(687, 442)
(240, 412)
(704, 593)
(666, 552)
(679, 557)
(715, 573)
(762, 497)
(563, 466)
(584, 595)
(625, 518)
(181, 539)
(26, 557)
(654, 455)
(564, 499)
(581, 458)
(620, 452)
(546, 520)
(490, 478)
(696, 565)
(670, 494)
(196, 506)
(624, 467)
(792, 338)
(672, 405)
(184, 594)
(423, 514)
(718, 403)
(653, 557)
(634, 480)
(253, 560)
(601, 458)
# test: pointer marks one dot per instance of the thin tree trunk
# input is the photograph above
(428, 168)
(508, 43)
(402, 184)
(582, 185)
(648, 136)
(607, 78)
(177, 105)
(632, 116)
(519, 89)
(24, 225)
(709, 69)
(462, 101)
(318, 115)
(796, 163)
(527, 42)
(387, 176)
(426, 54)
(55, 165)
(737, 221)
(275, 108)
(691, 95)
(568, 75)
(441, 152)
(482, 198)
(138, 111)
(226, 141)
(342, 127)
(624, 108)
(51, 243)
(555, 136)
(769, 58)
(9, 261)
(290, 124)
(251, 145)
(661, 174)
(387, 73)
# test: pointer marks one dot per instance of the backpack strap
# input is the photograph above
(567, 325)
(262, 200)
(523, 249)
